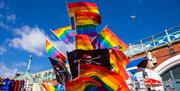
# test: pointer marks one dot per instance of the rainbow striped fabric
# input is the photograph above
(83, 84)
(82, 7)
(86, 23)
(65, 34)
(87, 27)
(48, 88)
(110, 80)
(83, 42)
(119, 61)
(107, 39)
(86, 18)
(51, 88)
(53, 52)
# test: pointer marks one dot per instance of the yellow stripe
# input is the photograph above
(61, 30)
(71, 14)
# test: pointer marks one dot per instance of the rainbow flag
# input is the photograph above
(83, 42)
(65, 34)
(53, 52)
(86, 23)
(83, 84)
(119, 61)
(107, 39)
(110, 80)
(48, 87)
(86, 18)
(82, 7)
(89, 29)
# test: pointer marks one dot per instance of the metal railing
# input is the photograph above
(166, 37)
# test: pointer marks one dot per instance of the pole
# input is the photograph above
(75, 32)
(60, 40)
(30, 59)
(168, 37)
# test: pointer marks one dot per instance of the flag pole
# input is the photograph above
(60, 39)
(58, 49)
(105, 26)
(55, 46)
(71, 23)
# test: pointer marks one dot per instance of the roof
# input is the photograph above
(132, 66)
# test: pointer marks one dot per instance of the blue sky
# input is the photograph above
(25, 23)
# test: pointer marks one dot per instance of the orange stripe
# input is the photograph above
(79, 4)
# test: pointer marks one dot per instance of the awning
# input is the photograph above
(132, 66)
(150, 82)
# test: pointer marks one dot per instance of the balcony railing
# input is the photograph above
(166, 37)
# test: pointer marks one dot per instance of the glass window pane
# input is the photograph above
(176, 72)
(166, 76)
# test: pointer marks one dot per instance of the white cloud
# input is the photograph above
(11, 18)
(19, 65)
(63, 47)
(4, 26)
(6, 71)
(2, 50)
(30, 39)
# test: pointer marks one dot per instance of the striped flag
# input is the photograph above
(107, 39)
(119, 61)
(89, 13)
(53, 52)
(83, 83)
(110, 80)
(83, 42)
(65, 34)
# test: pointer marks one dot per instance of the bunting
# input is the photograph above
(107, 39)
(65, 34)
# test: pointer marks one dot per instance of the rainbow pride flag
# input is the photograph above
(48, 88)
(110, 80)
(82, 7)
(86, 18)
(107, 39)
(83, 42)
(119, 61)
(83, 84)
(88, 29)
(65, 34)
(86, 23)
(53, 52)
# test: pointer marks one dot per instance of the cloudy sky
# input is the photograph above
(24, 25)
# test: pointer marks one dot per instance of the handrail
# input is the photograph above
(166, 37)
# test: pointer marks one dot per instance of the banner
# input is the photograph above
(98, 57)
